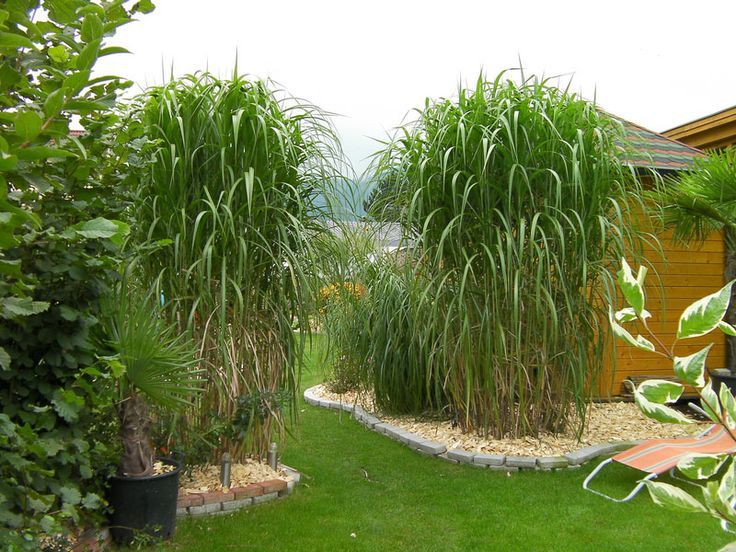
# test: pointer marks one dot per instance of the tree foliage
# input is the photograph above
(385, 202)
(702, 200)
(59, 241)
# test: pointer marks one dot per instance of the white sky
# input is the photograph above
(657, 63)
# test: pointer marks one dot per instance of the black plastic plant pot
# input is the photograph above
(144, 505)
(725, 377)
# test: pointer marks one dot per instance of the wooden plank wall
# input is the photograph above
(687, 273)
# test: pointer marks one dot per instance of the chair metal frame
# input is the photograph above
(642, 482)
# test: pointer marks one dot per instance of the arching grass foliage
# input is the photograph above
(228, 207)
(516, 207)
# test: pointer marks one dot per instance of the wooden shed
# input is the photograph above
(687, 272)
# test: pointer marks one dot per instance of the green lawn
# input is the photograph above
(356, 481)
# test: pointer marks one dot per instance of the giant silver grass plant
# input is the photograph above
(518, 205)
(236, 172)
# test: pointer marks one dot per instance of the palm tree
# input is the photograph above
(156, 364)
(700, 202)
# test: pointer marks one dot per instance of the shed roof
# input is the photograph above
(714, 131)
(652, 150)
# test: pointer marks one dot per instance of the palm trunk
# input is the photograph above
(135, 433)
(730, 274)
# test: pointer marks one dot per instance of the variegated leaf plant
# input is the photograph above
(715, 472)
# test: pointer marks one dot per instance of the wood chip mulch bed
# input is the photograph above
(607, 422)
(206, 479)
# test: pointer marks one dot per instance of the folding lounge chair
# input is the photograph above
(656, 456)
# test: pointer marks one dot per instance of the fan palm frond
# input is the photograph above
(701, 200)
(159, 361)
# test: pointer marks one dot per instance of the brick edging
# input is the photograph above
(507, 463)
(221, 502)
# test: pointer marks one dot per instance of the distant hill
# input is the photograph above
(345, 199)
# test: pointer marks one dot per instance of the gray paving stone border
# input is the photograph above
(219, 503)
(494, 462)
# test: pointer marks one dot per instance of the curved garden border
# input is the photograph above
(236, 498)
(500, 462)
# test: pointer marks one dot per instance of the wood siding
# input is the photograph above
(687, 273)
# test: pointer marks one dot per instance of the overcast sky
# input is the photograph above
(657, 63)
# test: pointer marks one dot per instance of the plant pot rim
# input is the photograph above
(177, 468)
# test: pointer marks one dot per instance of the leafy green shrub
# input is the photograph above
(373, 335)
(58, 256)
(399, 341)
(714, 473)
(344, 375)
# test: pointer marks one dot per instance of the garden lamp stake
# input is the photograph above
(225, 470)
(273, 456)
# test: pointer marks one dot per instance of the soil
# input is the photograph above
(606, 422)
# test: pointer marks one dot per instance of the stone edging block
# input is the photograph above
(578, 457)
(489, 459)
(498, 462)
(522, 462)
(552, 462)
(462, 456)
(431, 447)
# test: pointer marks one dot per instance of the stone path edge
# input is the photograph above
(498, 462)
(221, 502)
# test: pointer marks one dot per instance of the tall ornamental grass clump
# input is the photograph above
(517, 205)
(400, 347)
(227, 208)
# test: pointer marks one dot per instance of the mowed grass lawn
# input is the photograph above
(356, 482)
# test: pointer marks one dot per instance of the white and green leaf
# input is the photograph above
(727, 486)
(660, 391)
(709, 403)
(701, 466)
(628, 314)
(619, 331)
(632, 287)
(704, 315)
(660, 412)
(691, 369)
(719, 502)
(727, 328)
(625, 315)
(728, 405)
(674, 498)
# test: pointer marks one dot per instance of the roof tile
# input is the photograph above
(648, 149)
